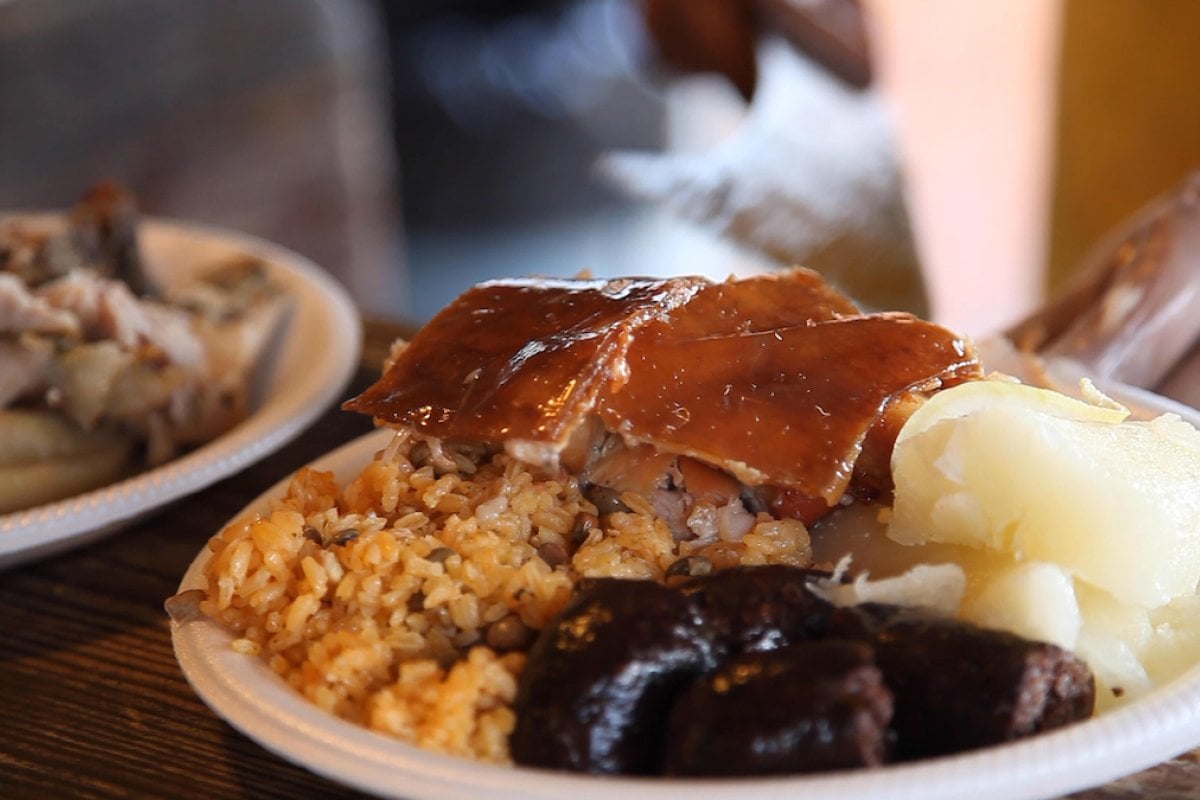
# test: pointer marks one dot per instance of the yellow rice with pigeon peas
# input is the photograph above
(404, 600)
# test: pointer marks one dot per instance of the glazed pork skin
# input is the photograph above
(518, 362)
(775, 380)
(788, 407)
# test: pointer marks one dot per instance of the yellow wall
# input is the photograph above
(1129, 125)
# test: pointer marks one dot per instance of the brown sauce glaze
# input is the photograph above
(776, 380)
(517, 359)
(786, 407)
(761, 303)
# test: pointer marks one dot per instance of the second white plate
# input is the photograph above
(312, 360)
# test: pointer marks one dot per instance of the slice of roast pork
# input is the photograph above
(776, 380)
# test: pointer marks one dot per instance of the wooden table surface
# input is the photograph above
(92, 702)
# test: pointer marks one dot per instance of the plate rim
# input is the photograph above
(248, 695)
(283, 414)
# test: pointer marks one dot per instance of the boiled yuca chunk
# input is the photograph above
(1041, 477)
(1115, 641)
(1174, 647)
(1035, 600)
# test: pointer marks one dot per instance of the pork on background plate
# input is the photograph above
(101, 370)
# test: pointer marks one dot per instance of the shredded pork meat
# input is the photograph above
(84, 334)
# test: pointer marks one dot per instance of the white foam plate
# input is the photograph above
(308, 365)
(256, 701)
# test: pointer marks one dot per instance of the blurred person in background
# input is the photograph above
(1049, 121)
(1015, 135)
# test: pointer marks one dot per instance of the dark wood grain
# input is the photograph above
(93, 704)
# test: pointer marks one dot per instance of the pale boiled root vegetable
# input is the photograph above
(1035, 600)
(1175, 646)
(1042, 477)
(44, 458)
(1084, 526)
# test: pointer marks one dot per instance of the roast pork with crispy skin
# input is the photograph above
(777, 382)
